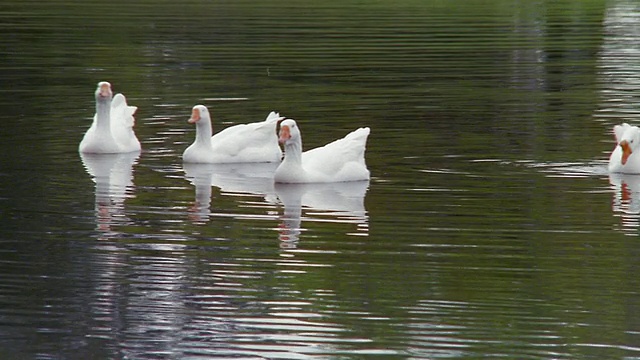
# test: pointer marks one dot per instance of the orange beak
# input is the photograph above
(626, 151)
(195, 116)
(285, 134)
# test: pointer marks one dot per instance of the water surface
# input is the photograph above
(490, 226)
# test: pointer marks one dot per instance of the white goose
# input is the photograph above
(254, 142)
(112, 128)
(625, 158)
(340, 160)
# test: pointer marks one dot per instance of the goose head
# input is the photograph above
(629, 143)
(198, 113)
(103, 92)
(289, 132)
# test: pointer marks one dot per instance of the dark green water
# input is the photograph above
(490, 227)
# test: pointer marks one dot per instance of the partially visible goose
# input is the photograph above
(625, 158)
(340, 160)
(254, 142)
(112, 128)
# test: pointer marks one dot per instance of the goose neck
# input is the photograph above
(103, 114)
(203, 131)
(293, 152)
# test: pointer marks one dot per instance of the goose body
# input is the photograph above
(112, 128)
(338, 161)
(625, 157)
(253, 142)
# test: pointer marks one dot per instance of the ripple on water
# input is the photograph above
(571, 169)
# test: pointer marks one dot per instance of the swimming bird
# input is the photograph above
(253, 142)
(112, 127)
(340, 160)
(625, 157)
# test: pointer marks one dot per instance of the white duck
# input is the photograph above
(112, 128)
(340, 160)
(254, 142)
(625, 158)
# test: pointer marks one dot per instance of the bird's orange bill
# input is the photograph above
(626, 151)
(195, 116)
(285, 133)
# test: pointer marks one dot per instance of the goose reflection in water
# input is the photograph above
(626, 201)
(341, 201)
(113, 178)
(234, 179)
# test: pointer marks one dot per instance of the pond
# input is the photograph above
(490, 226)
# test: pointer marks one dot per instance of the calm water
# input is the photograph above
(490, 227)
